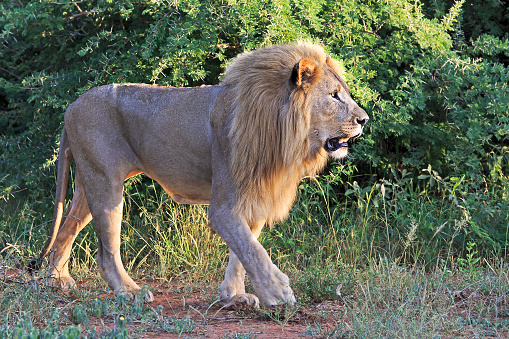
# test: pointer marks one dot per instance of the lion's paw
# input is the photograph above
(231, 287)
(275, 291)
(240, 300)
(278, 296)
(65, 283)
(143, 295)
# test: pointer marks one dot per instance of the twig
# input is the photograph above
(82, 13)
(17, 77)
(67, 3)
(368, 31)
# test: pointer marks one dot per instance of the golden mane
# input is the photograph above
(270, 128)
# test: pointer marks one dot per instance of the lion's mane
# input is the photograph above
(269, 131)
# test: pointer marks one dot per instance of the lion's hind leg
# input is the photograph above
(77, 216)
(105, 196)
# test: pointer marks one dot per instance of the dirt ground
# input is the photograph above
(211, 321)
(216, 322)
(176, 301)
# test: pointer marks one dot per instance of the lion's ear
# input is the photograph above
(305, 73)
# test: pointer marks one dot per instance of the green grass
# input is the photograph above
(390, 301)
(27, 304)
(403, 221)
(406, 259)
(382, 300)
(174, 239)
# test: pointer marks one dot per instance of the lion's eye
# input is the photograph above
(335, 96)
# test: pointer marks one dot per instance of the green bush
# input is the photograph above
(433, 75)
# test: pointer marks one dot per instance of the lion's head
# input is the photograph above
(292, 109)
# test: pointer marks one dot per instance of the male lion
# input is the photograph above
(241, 146)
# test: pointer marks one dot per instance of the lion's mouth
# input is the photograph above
(333, 144)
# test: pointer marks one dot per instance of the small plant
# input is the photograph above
(176, 325)
(79, 315)
(242, 335)
(316, 284)
(172, 324)
(470, 264)
(25, 328)
(119, 331)
(320, 331)
(99, 308)
(280, 314)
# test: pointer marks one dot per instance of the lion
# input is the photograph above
(241, 146)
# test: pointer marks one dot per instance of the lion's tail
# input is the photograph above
(64, 165)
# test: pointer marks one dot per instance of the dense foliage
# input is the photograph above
(433, 76)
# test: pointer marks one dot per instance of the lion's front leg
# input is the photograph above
(232, 288)
(271, 285)
(233, 282)
(233, 291)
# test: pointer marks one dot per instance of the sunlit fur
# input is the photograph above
(270, 128)
(242, 146)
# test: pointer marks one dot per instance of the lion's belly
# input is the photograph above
(185, 191)
(186, 200)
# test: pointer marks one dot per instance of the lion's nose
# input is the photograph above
(362, 121)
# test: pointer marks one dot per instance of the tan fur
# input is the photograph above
(242, 146)
(268, 167)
